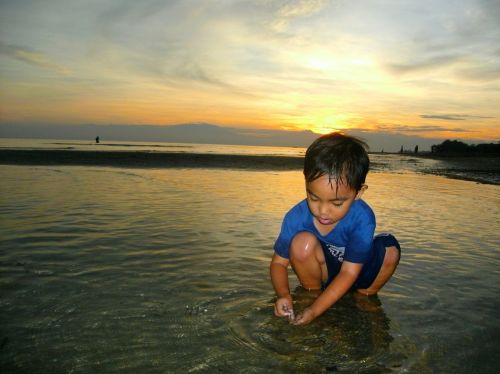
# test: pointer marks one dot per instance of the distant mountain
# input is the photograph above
(202, 133)
(205, 133)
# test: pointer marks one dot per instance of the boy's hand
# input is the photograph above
(284, 307)
(305, 317)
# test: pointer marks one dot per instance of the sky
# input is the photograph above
(428, 68)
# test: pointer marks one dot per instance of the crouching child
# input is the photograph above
(328, 238)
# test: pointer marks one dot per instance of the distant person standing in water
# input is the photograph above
(97, 140)
(328, 237)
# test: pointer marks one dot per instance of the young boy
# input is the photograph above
(328, 237)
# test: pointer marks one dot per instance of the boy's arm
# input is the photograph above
(340, 285)
(279, 279)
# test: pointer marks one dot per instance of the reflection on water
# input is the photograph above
(167, 271)
(353, 336)
(224, 149)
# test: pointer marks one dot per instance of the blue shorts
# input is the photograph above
(372, 268)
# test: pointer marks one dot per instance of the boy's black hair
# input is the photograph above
(343, 158)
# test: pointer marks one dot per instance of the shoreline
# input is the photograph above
(477, 169)
(143, 159)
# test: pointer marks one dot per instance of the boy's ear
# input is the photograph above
(363, 188)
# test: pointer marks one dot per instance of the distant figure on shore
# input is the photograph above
(416, 149)
(97, 140)
(327, 238)
(401, 150)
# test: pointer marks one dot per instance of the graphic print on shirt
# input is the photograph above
(337, 252)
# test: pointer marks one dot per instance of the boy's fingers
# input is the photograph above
(279, 311)
(284, 309)
(288, 312)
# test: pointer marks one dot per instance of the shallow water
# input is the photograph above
(140, 154)
(149, 270)
(225, 149)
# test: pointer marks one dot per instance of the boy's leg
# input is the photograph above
(308, 261)
(391, 261)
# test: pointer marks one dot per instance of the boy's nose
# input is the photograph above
(323, 208)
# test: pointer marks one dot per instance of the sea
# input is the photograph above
(166, 269)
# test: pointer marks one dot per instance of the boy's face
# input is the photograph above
(329, 202)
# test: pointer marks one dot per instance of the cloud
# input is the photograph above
(483, 71)
(458, 42)
(267, 63)
(31, 57)
(480, 68)
(300, 8)
(453, 117)
(191, 70)
(290, 10)
(425, 64)
(446, 117)
(420, 128)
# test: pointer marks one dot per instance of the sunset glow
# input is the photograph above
(423, 69)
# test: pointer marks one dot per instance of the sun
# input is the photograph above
(327, 123)
(326, 130)
(318, 63)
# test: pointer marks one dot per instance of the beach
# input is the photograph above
(123, 264)
(479, 169)
(148, 159)
(484, 169)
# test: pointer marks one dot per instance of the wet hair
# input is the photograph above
(343, 158)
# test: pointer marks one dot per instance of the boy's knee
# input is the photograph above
(303, 246)
(392, 256)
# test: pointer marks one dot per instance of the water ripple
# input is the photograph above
(167, 271)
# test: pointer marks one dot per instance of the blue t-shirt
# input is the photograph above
(350, 240)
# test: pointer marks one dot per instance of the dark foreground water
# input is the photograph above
(166, 271)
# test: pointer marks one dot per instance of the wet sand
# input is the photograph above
(148, 159)
(483, 169)
(479, 169)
